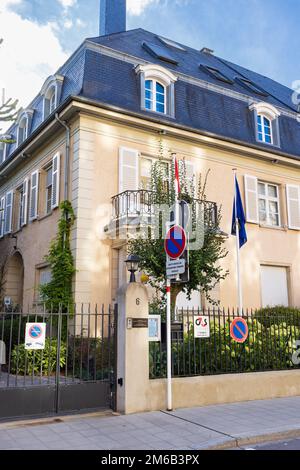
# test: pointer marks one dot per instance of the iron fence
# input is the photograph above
(79, 346)
(272, 344)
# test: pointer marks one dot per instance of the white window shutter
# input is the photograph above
(293, 206)
(55, 180)
(9, 200)
(25, 202)
(2, 216)
(251, 195)
(128, 169)
(34, 193)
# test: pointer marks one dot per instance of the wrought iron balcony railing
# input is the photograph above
(141, 205)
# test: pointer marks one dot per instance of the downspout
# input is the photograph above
(67, 159)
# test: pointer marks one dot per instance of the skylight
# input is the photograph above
(215, 73)
(159, 52)
(168, 42)
(251, 86)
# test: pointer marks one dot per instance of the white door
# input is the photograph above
(274, 286)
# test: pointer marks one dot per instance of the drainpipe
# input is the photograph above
(68, 133)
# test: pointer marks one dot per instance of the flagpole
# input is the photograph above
(238, 265)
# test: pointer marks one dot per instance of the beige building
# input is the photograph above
(91, 135)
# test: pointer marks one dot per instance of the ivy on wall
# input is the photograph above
(58, 292)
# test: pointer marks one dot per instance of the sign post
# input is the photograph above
(175, 246)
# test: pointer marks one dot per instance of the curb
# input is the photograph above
(237, 442)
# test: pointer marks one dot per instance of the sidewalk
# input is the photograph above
(217, 426)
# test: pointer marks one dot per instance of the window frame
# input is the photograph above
(48, 200)
(153, 100)
(23, 120)
(267, 200)
(263, 132)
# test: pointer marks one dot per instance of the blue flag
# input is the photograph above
(238, 213)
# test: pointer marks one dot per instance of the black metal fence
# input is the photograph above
(80, 349)
(273, 343)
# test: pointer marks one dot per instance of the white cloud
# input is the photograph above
(29, 53)
(67, 3)
(136, 7)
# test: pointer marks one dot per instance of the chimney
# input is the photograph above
(112, 16)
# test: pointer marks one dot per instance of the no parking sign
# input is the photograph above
(35, 336)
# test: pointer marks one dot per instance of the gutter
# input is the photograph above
(67, 159)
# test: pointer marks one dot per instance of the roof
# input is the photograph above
(202, 102)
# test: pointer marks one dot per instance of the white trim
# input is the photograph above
(264, 135)
(25, 201)
(266, 109)
(34, 200)
(55, 180)
(158, 72)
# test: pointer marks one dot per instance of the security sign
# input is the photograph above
(35, 336)
(201, 327)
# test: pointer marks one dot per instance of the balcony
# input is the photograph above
(133, 210)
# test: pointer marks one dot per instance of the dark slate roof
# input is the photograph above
(94, 75)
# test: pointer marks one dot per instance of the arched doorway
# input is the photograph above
(13, 279)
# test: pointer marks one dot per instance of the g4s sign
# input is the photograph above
(201, 327)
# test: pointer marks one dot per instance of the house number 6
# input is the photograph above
(138, 301)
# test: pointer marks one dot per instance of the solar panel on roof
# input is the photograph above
(215, 73)
(159, 52)
(251, 86)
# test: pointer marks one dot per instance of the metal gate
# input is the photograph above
(75, 371)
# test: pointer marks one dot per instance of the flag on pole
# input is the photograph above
(177, 182)
(238, 216)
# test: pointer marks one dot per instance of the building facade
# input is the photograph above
(91, 134)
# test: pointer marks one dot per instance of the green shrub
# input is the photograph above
(276, 315)
(38, 362)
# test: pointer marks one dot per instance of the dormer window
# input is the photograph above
(51, 93)
(266, 123)
(2, 147)
(24, 125)
(157, 89)
(22, 130)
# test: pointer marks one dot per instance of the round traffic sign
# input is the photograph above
(35, 331)
(175, 242)
(239, 330)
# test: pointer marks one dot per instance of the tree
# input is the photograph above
(204, 266)
(8, 112)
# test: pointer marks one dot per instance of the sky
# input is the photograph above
(38, 35)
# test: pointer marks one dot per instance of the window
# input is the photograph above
(49, 173)
(2, 215)
(160, 52)
(2, 152)
(8, 212)
(34, 194)
(23, 199)
(268, 201)
(266, 119)
(215, 73)
(43, 278)
(155, 96)
(170, 43)
(251, 86)
(157, 89)
(22, 130)
(51, 93)
(264, 129)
